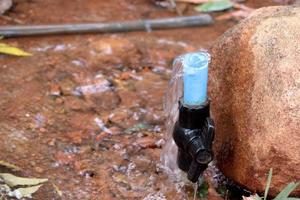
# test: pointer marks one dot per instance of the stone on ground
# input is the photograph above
(255, 92)
(5, 5)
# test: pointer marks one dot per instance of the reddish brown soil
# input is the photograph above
(50, 131)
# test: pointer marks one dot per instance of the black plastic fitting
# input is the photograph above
(194, 134)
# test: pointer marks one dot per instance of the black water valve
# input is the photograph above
(194, 134)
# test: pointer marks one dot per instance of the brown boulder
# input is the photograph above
(255, 91)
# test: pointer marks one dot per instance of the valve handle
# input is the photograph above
(203, 156)
(196, 169)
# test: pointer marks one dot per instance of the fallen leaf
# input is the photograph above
(6, 49)
(214, 6)
(24, 192)
(13, 180)
(9, 165)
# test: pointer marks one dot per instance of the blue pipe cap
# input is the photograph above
(195, 75)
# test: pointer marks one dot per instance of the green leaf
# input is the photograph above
(268, 183)
(6, 49)
(9, 165)
(214, 6)
(292, 198)
(286, 191)
(24, 192)
(13, 180)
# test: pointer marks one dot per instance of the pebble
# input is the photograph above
(147, 142)
(39, 169)
(55, 90)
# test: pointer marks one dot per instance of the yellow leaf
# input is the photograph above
(6, 49)
(13, 180)
(9, 165)
(24, 192)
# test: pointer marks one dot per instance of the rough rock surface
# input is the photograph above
(5, 5)
(255, 92)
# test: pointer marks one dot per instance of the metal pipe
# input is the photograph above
(138, 25)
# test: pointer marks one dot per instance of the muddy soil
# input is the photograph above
(85, 111)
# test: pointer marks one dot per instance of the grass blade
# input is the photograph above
(283, 195)
(268, 183)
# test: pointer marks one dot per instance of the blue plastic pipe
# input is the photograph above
(195, 75)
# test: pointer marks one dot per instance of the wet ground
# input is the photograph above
(85, 111)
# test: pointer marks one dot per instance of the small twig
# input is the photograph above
(138, 25)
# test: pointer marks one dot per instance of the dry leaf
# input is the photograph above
(6, 49)
(9, 165)
(13, 180)
(24, 192)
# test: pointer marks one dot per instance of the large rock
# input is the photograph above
(255, 92)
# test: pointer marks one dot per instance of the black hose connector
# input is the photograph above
(194, 134)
